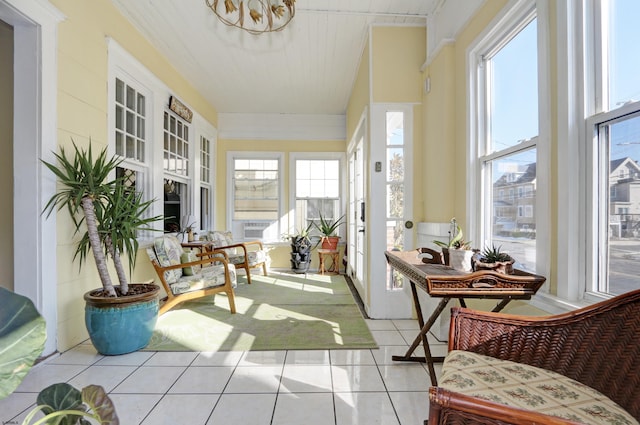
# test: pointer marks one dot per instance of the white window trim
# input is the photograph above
(212, 135)
(510, 17)
(122, 63)
(231, 156)
(291, 225)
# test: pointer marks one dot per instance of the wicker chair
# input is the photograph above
(598, 346)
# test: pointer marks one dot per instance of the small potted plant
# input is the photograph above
(328, 228)
(107, 216)
(456, 252)
(300, 249)
(493, 258)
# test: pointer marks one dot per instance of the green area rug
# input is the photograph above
(281, 311)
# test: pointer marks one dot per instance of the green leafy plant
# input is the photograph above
(329, 227)
(456, 238)
(63, 404)
(106, 212)
(22, 338)
(494, 255)
(302, 233)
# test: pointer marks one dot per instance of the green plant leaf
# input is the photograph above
(58, 397)
(22, 338)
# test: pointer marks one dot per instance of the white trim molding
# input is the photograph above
(35, 137)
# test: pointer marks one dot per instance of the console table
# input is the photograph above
(444, 282)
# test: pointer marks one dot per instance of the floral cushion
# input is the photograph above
(206, 277)
(168, 251)
(220, 239)
(255, 258)
(530, 388)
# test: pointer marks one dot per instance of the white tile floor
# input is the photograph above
(330, 387)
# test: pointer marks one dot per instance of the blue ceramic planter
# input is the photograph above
(121, 325)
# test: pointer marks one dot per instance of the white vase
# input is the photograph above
(460, 259)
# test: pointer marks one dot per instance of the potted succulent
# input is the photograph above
(456, 252)
(107, 215)
(328, 228)
(301, 250)
(494, 259)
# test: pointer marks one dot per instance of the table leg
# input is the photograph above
(502, 304)
(422, 338)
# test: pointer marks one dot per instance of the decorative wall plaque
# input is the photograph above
(180, 108)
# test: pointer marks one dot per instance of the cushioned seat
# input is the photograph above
(246, 255)
(184, 277)
(527, 387)
(579, 367)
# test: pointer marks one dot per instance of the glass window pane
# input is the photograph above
(395, 128)
(395, 200)
(513, 192)
(624, 61)
(513, 115)
(303, 169)
(623, 233)
(119, 91)
(395, 164)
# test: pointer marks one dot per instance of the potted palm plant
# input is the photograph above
(328, 228)
(107, 215)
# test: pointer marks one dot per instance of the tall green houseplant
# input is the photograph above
(113, 213)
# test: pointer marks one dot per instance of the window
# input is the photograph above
(206, 188)
(615, 124)
(176, 145)
(256, 196)
(130, 130)
(176, 168)
(130, 124)
(317, 191)
(507, 124)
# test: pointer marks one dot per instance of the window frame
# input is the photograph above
(126, 67)
(582, 101)
(509, 21)
(292, 226)
(231, 157)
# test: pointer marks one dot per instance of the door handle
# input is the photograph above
(361, 230)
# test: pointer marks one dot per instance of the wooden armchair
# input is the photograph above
(209, 273)
(597, 346)
(246, 255)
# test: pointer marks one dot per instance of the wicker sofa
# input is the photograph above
(591, 352)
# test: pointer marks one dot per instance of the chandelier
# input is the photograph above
(263, 15)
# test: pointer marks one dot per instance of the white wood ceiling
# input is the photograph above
(308, 68)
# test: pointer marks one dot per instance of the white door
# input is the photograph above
(391, 209)
(357, 214)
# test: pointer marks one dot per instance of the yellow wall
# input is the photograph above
(278, 253)
(397, 55)
(6, 163)
(360, 94)
(440, 172)
(82, 114)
